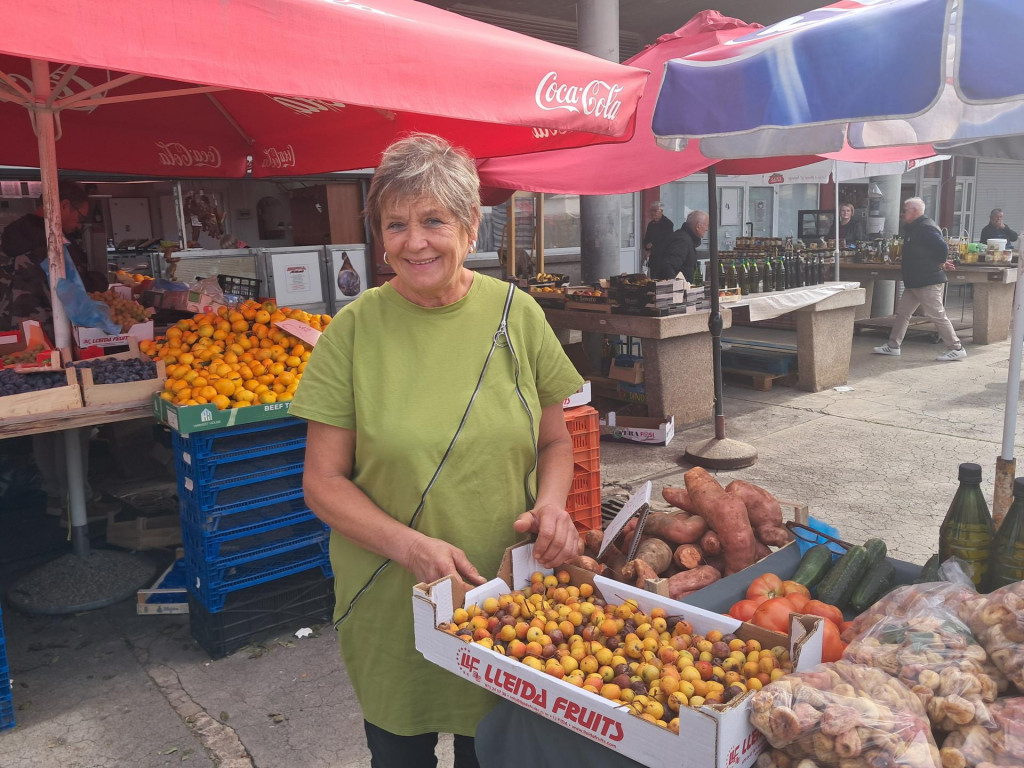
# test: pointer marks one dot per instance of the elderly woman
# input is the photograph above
(434, 443)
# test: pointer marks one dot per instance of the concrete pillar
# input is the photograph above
(597, 23)
(884, 297)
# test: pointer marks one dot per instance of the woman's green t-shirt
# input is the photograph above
(401, 375)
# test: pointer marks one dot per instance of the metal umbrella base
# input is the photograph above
(74, 583)
(719, 453)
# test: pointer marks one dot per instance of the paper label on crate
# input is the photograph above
(300, 330)
(186, 457)
(188, 483)
(630, 508)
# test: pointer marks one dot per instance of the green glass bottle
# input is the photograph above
(1007, 565)
(732, 279)
(767, 276)
(723, 277)
(744, 276)
(698, 278)
(967, 530)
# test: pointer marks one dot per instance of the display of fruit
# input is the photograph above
(25, 356)
(13, 383)
(545, 289)
(587, 292)
(653, 663)
(128, 278)
(107, 370)
(124, 312)
(233, 358)
(546, 277)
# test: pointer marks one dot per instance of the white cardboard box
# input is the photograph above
(639, 429)
(95, 337)
(707, 738)
(582, 397)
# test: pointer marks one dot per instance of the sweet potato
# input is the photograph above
(592, 542)
(655, 552)
(637, 572)
(627, 534)
(679, 498)
(675, 527)
(687, 582)
(726, 515)
(761, 550)
(763, 511)
(586, 563)
(687, 556)
(710, 544)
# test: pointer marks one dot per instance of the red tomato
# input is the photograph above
(773, 614)
(832, 646)
(799, 601)
(825, 610)
(743, 609)
(794, 588)
(769, 585)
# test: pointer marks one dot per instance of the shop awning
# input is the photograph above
(197, 88)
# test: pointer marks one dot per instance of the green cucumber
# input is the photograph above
(877, 549)
(930, 572)
(813, 566)
(876, 582)
(843, 577)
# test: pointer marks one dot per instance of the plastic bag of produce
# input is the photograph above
(844, 714)
(978, 747)
(953, 590)
(934, 654)
(81, 310)
(997, 620)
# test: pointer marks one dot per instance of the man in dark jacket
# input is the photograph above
(681, 254)
(996, 229)
(24, 286)
(658, 234)
(925, 259)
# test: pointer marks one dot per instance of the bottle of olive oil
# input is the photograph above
(967, 532)
(1008, 546)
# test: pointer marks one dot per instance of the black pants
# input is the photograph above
(388, 750)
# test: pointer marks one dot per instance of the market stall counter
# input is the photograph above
(992, 285)
(677, 357)
(824, 328)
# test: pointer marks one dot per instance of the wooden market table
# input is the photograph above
(992, 284)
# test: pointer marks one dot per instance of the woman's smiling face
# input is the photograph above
(426, 246)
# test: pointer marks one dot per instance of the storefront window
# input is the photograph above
(794, 198)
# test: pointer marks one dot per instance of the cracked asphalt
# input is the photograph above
(110, 688)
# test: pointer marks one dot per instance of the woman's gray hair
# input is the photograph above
(914, 202)
(657, 206)
(425, 166)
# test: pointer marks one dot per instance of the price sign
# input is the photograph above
(641, 500)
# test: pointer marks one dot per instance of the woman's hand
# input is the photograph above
(557, 539)
(430, 559)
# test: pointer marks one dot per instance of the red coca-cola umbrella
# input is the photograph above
(640, 163)
(277, 87)
(194, 88)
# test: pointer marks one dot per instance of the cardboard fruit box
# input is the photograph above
(95, 337)
(129, 393)
(197, 418)
(638, 429)
(29, 336)
(708, 737)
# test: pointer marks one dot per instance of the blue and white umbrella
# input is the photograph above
(867, 74)
(870, 73)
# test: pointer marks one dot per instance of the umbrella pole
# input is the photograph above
(835, 185)
(46, 136)
(719, 452)
(1005, 463)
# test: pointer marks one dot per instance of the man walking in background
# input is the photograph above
(924, 263)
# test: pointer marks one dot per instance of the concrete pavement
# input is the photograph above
(109, 688)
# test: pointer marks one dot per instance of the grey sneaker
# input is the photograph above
(953, 354)
(885, 349)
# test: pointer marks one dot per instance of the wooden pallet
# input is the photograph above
(762, 381)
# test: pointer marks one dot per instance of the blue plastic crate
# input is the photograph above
(200, 464)
(228, 474)
(225, 549)
(211, 498)
(251, 515)
(262, 435)
(211, 592)
(7, 710)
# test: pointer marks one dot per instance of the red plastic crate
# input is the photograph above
(584, 502)
(586, 434)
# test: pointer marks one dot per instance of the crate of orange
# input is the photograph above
(231, 366)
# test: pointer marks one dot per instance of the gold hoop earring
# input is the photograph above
(386, 258)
